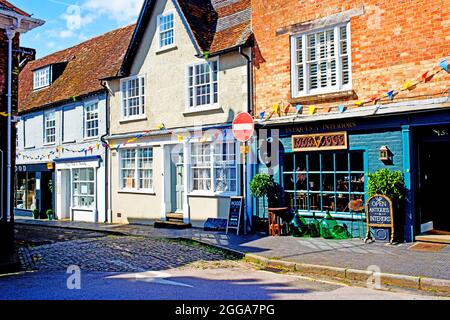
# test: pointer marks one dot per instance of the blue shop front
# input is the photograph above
(323, 166)
(34, 189)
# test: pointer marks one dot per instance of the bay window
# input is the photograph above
(136, 169)
(321, 61)
(213, 167)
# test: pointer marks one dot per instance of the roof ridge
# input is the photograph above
(84, 42)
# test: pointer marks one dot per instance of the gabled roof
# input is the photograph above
(79, 70)
(5, 5)
(214, 25)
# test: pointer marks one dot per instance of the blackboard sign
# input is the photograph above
(235, 215)
(380, 214)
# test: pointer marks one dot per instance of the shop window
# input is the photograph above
(213, 167)
(136, 169)
(84, 188)
(25, 195)
(328, 181)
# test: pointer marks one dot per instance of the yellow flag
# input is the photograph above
(180, 138)
(4, 114)
(276, 108)
(312, 110)
(359, 103)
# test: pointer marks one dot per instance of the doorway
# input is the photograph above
(434, 178)
(177, 182)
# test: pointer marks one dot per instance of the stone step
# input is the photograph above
(434, 238)
(172, 225)
(175, 217)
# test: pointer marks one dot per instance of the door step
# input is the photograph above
(175, 217)
(172, 225)
(435, 237)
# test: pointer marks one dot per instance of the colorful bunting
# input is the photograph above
(359, 103)
(444, 65)
(4, 114)
(298, 109)
(312, 110)
(342, 108)
(262, 115)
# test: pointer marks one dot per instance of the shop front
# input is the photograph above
(80, 189)
(323, 166)
(34, 189)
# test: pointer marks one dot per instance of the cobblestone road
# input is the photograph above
(117, 254)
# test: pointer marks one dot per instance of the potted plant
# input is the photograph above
(50, 214)
(36, 214)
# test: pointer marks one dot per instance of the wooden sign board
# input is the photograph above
(380, 214)
(235, 214)
(320, 142)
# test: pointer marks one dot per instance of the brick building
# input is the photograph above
(352, 87)
(13, 22)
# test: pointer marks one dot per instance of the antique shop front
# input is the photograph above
(324, 165)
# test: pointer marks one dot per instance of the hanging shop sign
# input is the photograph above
(380, 214)
(319, 142)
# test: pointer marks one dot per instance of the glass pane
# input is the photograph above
(342, 162)
(300, 162)
(327, 162)
(289, 162)
(357, 182)
(342, 202)
(314, 182)
(357, 161)
(314, 162)
(328, 182)
(342, 182)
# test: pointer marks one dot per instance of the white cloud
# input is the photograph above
(121, 11)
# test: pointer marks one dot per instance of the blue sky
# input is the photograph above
(70, 22)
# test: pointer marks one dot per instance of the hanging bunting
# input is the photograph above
(391, 95)
(312, 110)
(342, 108)
(426, 77)
(327, 109)
(276, 108)
(298, 109)
(180, 138)
(262, 115)
(359, 103)
(444, 65)
(287, 108)
(4, 114)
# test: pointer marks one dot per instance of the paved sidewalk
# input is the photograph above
(348, 254)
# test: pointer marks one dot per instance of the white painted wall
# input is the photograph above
(70, 134)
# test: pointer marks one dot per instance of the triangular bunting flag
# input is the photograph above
(359, 103)
(342, 109)
(262, 115)
(298, 109)
(312, 110)
(444, 65)
(391, 95)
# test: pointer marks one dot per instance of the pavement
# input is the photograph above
(348, 259)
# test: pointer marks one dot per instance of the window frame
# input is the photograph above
(86, 121)
(349, 172)
(161, 16)
(142, 98)
(79, 195)
(212, 169)
(339, 87)
(212, 104)
(37, 78)
(46, 113)
(137, 178)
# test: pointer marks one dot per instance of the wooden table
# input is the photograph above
(275, 224)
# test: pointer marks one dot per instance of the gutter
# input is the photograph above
(108, 173)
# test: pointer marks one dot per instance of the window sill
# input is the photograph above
(49, 144)
(203, 109)
(90, 139)
(334, 96)
(83, 209)
(150, 192)
(69, 142)
(166, 49)
(127, 120)
(211, 194)
(29, 148)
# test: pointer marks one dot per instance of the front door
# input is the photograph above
(434, 187)
(177, 182)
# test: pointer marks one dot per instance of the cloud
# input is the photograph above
(122, 12)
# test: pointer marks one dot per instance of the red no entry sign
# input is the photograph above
(243, 127)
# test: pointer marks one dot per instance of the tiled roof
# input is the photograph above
(218, 24)
(80, 67)
(5, 5)
(215, 25)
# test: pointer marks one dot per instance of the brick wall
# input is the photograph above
(392, 42)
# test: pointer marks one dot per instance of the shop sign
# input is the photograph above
(235, 214)
(380, 214)
(50, 166)
(319, 142)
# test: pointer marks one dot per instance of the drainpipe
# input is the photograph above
(249, 80)
(10, 35)
(108, 172)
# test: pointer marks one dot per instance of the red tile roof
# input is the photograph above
(8, 6)
(85, 64)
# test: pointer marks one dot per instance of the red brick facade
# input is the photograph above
(392, 42)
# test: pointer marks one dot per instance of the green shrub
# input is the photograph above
(388, 183)
(36, 214)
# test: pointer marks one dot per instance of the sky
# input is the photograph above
(69, 22)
